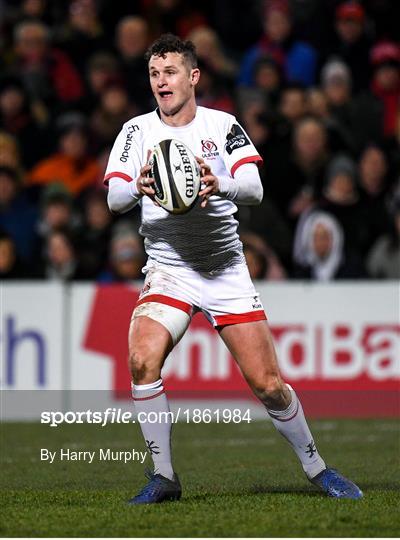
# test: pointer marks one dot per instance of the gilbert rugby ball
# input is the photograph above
(177, 176)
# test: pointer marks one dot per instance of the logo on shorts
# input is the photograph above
(209, 149)
(257, 304)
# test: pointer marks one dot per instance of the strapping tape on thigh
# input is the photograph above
(173, 319)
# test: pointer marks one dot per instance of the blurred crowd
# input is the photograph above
(315, 84)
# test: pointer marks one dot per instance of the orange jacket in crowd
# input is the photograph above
(74, 175)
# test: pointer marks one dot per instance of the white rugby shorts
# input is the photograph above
(227, 297)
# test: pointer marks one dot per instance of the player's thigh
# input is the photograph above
(252, 347)
(156, 327)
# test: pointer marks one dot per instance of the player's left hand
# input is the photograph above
(209, 181)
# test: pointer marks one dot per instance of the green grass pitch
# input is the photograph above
(238, 480)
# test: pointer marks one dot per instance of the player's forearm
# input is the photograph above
(122, 195)
(244, 188)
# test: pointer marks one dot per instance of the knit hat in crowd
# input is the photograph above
(341, 164)
(350, 11)
(385, 52)
(335, 72)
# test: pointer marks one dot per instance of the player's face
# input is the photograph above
(172, 82)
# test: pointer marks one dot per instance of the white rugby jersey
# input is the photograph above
(205, 239)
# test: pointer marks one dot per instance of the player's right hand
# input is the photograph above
(144, 182)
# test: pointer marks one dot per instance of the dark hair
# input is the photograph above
(69, 237)
(294, 87)
(169, 43)
(10, 172)
(261, 259)
(6, 237)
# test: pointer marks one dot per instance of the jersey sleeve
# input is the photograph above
(238, 148)
(124, 160)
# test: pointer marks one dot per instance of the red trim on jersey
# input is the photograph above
(116, 175)
(149, 397)
(168, 301)
(251, 316)
(249, 159)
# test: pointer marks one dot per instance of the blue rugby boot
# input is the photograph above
(336, 485)
(159, 489)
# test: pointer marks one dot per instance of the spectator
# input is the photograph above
(71, 165)
(272, 129)
(14, 12)
(102, 69)
(33, 9)
(383, 260)
(132, 37)
(16, 118)
(57, 212)
(209, 51)
(305, 171)
(385, 58)
(372, 173)
(296, 166)
(61, 261)
(354, 121)
(340, 184)
(293, 103)
(342, 200)
(237, 24)
(339, 137)
(298, 58)
(112, 112)
(317, 103)
(95, 234)
(319, 250)
(11, 266)
(126, 256)
(254, 116)
(177, 16)
(47, 72)
(81, 35)
(9, 152)
(267, 222)
(336, 85)
(132, 40)
(351, 43)
(261, 260)
(18, 215)
(256, 262)
(211, 91)
(268, 78)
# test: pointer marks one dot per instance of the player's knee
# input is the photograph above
(273, 393)
(143, 364)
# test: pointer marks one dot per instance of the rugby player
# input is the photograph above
(196, 263)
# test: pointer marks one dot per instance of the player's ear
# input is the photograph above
(194, 76)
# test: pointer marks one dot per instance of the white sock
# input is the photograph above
(291, 423)
(151, 398)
